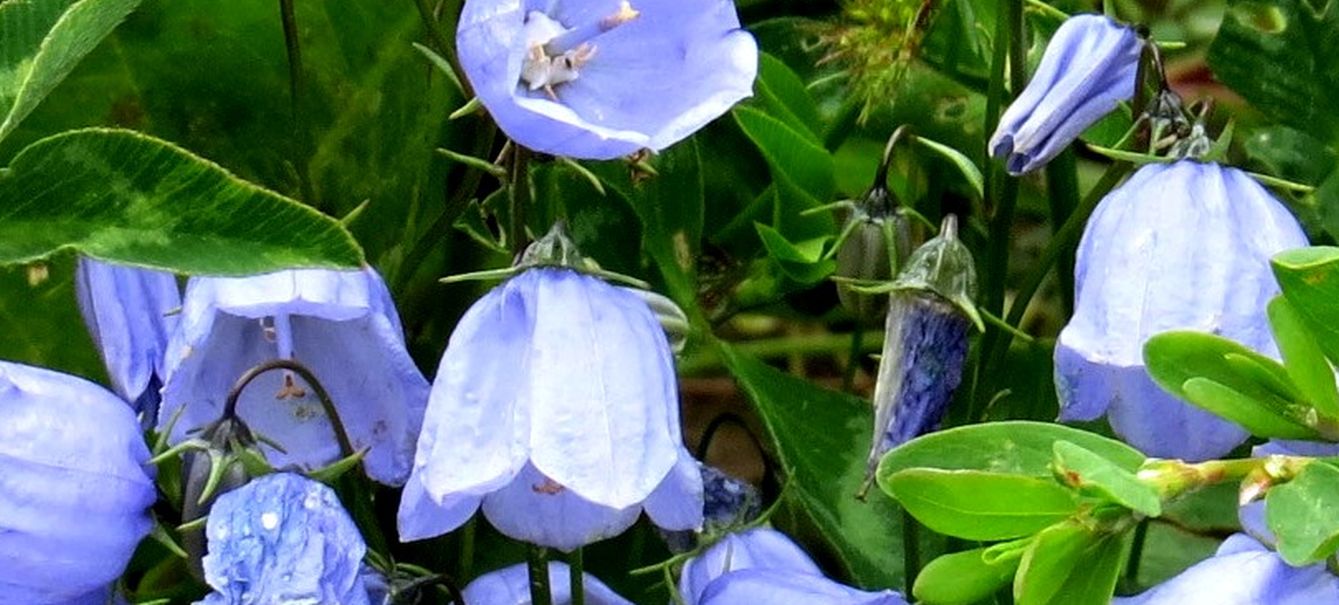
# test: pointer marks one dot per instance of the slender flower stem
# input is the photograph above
(520, 198)
(328, 405)
(537, 564)
(576, 582)
(445, 47)
(853, 360)
(1062, 188)
(297, 90)
(1136, 555)
(911, 550)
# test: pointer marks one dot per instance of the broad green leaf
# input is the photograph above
(1017, 447)
(1309, 278)
(1304, 515)
(1091, 473)
(822, 439)
(781, 93)
(977, 505)
(800, 261)
(1253, 415)
(1283, 57)
(125, 197)
(40, 43)
(1303, 357)
(962, 578)
(1069, 564)
(801, 170)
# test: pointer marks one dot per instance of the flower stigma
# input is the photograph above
(556, 54)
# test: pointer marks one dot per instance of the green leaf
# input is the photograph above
(1253, 415)
(671, 208)
(1017, 447)
(125, 197)
(1091, 473)
(1069, 564)
(822, 439)
(782, 94)
(1303, 357)
(1309, 278)
(42, 42)
(800, 261)
(960, 160)
(962, 578)
(1304, 515)
(977, 505)
(1283, 57)
(801, 170)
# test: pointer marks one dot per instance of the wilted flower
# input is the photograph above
(130, 313)
(599, 79)
(762, 565)
(280, 539)
(556, 408)
(930, 311)
(727, 502)
(75, 487)
(1243, 572)
(1088, 68)
(1184, 245)
(511, 586)
(340, 324)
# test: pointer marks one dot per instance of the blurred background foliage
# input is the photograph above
(349, 120)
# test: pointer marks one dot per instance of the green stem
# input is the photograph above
(520, 198)
(297, 86)
(1136, 555)
(1062, 188)
(911, 550)
(537, 564)
(465, 557)
(853, 361)
(576, 582)
(445, 47)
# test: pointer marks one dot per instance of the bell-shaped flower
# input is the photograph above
(75, 487)
(555, 407)
(280, 539)
(130, 313)
(1088, 68)
(1179, 246)
(511, 586)
(1243, 572)
(342, 325)
(762, 565)
(599, 79)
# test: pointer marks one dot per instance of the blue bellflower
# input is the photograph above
(598, 79)
(340, 324)
(555, 408)
(130, 313)
(75, 487)
(511, 586)
(1243, 572)
(1088, 68)
(1179, 246)
(281, 539)
(762, 565)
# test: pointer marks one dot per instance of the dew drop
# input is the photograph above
(269, 520)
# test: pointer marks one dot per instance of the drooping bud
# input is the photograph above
(873, 243)
(925, 341)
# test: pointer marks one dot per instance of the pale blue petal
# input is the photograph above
(420, 517)
(535, 509)
(75, 487)
(762, 548)
(283, 538)
(600, 376)
(677, 504)
(784, 587)
(511, 586)
(129, 313)
(1243, 573)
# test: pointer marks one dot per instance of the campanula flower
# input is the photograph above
(1243, 572)
(511, 586)
(930, 312)
(280, 539)
(75, 487)
(555, 408)
(599, 79)
(762, 565)
(1179, 246)
(1088, 68)
(340, 324)
(130, 313)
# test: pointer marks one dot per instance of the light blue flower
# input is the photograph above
(75, 487)
(600, 79)
(1243, 572)
(1179, 246)
(130, 313)
(340, 324)
(1088, 68)
(283, 539)
(511, 586)
(762, 565)
(556, 409)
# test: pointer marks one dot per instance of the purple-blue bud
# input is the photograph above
(1179, 246)
(511, 586)
(1088, 68)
